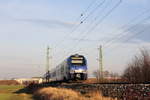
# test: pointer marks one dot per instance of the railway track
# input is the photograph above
(114, 90)
(120, 91)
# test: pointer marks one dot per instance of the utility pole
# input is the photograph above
(101, 62)
(47, 59)
(47, 64)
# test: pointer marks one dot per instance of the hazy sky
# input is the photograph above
(28, 26)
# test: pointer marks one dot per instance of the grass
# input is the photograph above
(7, 92)
(67, 94)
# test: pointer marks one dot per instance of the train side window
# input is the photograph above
(62, 69)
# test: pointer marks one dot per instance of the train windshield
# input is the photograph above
(78, 61)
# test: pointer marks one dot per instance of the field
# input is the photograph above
(8, 92)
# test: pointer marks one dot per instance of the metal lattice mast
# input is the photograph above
(47, 59)
(101, 61)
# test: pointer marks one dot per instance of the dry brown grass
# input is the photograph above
(66, 94)
(8, 82)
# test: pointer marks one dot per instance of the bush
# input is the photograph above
(139, 69)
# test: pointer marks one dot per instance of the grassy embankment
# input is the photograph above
(8, 92)
(13, 91)
(67, 94)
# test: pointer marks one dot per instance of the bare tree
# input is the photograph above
(139, 69)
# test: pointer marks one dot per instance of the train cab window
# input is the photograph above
(78, 61)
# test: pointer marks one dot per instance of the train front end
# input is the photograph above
(77, 67)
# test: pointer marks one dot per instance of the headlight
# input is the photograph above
(71, 71)
(84, 71)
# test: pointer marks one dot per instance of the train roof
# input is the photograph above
(76, 55)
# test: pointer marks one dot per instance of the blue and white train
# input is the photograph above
(72, 68)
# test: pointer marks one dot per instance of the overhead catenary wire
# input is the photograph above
(93, 11)
(127, 39)
(122, 34)
(132, 20)
(69, 34)
(89, 6)
(74, 28)
(92, 22)
(95, 19)
(107, 44)
(131, 36)
(100, 21)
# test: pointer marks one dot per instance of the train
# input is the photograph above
(72, 68)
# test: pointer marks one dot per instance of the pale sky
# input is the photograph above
(28, 26)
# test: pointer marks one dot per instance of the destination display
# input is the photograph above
(74, 58)
(76, 61)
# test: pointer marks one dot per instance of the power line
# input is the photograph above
(78, 25)
(134, 35)
(134, 25)
(93, 11)
(100, 21)
(86, 10)
(120, 35)
(108, 42)
(131, 21)
(99, 5)
(74, 28)
(92, 22)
